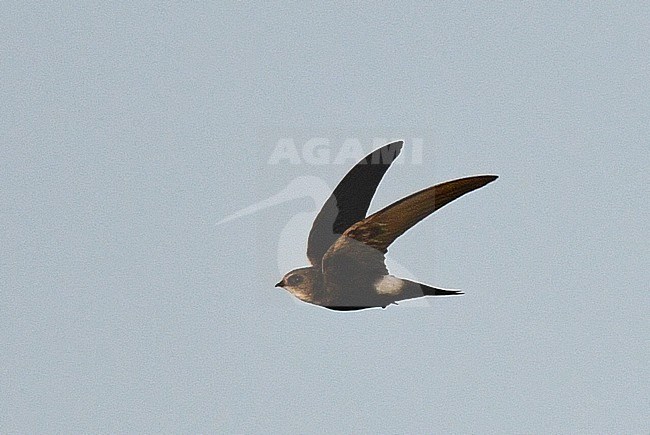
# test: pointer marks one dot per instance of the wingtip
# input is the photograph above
(486, 178)
(389, 152)
(394, 144)
(478, 180)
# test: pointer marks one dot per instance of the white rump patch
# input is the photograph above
(389, 285)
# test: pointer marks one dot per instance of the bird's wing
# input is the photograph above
(350, 200)
(358, 255)
(382, 228)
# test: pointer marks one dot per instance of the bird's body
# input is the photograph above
(346, 249)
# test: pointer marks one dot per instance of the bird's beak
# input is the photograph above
(279, 284)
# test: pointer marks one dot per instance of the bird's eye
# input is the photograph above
(294, 279)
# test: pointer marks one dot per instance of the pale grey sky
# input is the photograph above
(128, 130)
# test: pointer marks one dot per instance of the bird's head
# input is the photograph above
(302, 283)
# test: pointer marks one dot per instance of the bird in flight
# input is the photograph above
(347, 249)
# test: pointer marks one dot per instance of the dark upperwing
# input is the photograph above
(382, 228)
(349, 202)
(356, 259)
